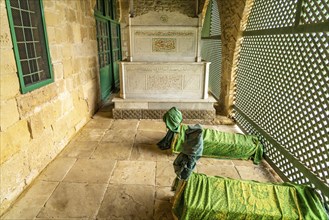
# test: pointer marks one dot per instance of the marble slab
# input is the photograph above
(163, 80)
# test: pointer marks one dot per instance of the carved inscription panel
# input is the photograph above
(152, 80)
(164, 82)
(164, 45)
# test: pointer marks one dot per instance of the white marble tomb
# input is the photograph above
(164, 64)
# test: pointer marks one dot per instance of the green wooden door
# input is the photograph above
(115, 51)
(104, 57)
(109, 46)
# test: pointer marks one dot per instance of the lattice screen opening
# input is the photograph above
(268, 14)
(282, 92)
(314, 11)
(285, 91)
(215, 29)
(288, 169)
(211, 50)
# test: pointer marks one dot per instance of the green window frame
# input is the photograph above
(30, 43)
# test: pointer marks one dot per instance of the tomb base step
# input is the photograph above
(155, 109)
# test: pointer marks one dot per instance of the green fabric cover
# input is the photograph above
(173, 117)
(219, 144)
(204, 197)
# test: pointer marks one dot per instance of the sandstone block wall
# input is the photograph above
(36, 126)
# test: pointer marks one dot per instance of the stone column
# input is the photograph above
(233, 16)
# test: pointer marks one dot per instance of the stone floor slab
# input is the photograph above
(119, 136)
(57, 170)
(125, 125)
(103, 115)
(127, 202)
(245, 163)
(148, 152)
(162, 210)
(164, 193)
(171, 156)
(254, 173)
(90, 135)
(99, 123)
(29, 204)
(165, 173)
(134, 172)
(79, 149)
(149, 137)
(152, 125)
(108, 106)
(215, 170)
(74, 200)
(214, 161)
(91, 171)
(115, 151)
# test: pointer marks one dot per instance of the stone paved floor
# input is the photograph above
(113, 170)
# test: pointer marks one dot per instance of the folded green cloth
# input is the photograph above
(206, 197)
(219, 144)
(173, 117)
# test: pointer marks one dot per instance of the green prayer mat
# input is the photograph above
(203, 197)
(219, 144)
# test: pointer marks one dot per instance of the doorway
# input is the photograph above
(109, 46)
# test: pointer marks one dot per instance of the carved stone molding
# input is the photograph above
(186, 7)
